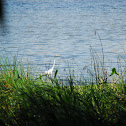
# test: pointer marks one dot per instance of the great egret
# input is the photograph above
(49, 72)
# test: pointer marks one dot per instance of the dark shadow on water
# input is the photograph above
(3, 27)
(1, 11)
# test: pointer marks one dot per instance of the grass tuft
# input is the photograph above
(26, 101)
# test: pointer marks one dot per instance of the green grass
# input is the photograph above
(26, 101)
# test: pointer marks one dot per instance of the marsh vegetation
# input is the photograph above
(43, 101)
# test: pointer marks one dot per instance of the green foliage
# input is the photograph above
(25, 101)
(114, 72)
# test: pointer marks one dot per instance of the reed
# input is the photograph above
(26, 101)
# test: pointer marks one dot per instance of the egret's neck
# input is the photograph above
(53, 64)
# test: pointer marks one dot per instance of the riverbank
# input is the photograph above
(43, 101)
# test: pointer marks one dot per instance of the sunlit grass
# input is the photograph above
(26, 101)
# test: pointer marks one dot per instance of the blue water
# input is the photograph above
(37, 30)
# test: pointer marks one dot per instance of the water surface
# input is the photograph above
(37, 30)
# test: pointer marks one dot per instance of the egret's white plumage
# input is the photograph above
(49, 72)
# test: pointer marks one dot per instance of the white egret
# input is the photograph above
(49, 72)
